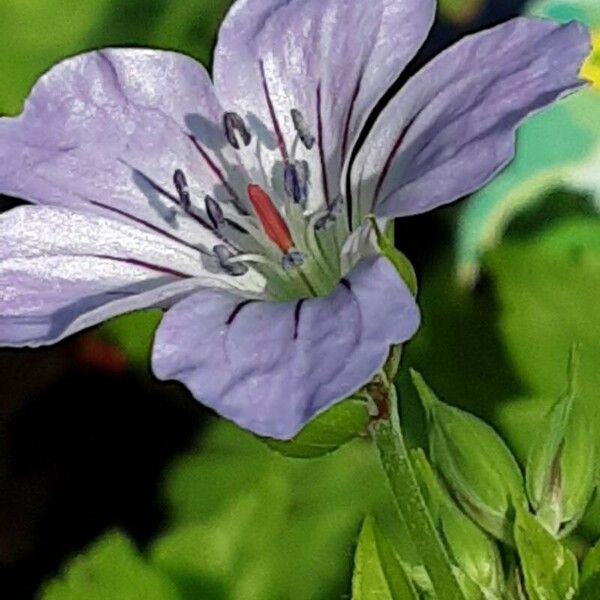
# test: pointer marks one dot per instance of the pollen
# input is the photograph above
(272, 222)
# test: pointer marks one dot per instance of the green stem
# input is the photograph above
(396, 464)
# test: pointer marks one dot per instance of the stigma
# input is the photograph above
(272, 222)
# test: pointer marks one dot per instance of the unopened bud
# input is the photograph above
(479, 469)
(561, 466)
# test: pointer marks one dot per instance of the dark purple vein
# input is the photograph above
(276, 126)
(213, 166)
(297, 311)
(321, 146)
(392, 155)
(148, 225)
(236, 311)
(141, 263)
(346, 135)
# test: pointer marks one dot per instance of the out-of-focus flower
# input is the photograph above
(241, 205)
(591, 67)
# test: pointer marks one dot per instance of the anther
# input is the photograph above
(235, 130)
(302, 129)
(295, 180)
(214, 212)
(223, 254)
(329, 218)
(292, 260)
(183, 191)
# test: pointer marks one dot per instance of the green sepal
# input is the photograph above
(329, 431)
(590, 567)
(378, 572)
(476, 464)
(561, 473)
(399, 260)
(549, 568)
(472, 550)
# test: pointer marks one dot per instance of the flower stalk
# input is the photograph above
(395, 461)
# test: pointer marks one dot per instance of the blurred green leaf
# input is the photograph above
(218, 558)
(133, 334)
(329, 431)
(549, 569)
(378, 573)
(327, 499)
(590, 566)
(460, 11)
(110, 569)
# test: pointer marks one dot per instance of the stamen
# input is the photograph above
(214, 212)
(235, 130)
(183, 191)
(329, 218)
(296, 181)
(302, 129)
(292, 260)
(273, 224)
(224, 254)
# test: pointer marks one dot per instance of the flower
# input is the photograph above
(241, 206)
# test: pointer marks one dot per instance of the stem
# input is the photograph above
(410, 503)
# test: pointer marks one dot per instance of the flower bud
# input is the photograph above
(561, 466)
(470, 548)
(478, 468)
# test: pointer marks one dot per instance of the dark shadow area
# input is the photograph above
(81, 452)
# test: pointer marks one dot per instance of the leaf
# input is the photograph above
(110, 569)
(549, 569)
(329, 431)
(327, 499)
(133, 334)
(590, 567)
(378, 574)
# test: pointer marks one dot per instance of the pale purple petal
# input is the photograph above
(272, 367)
(452, 127)
(105, 131)
(330, 59)
(62, 271)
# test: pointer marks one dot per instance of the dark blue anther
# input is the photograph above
(214, 212)
(183, 191)
(224, 254)
(295, 179)
(234, 126)
(302, 129)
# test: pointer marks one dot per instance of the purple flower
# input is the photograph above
(241, 206)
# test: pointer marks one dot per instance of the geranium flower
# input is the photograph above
(241, 205)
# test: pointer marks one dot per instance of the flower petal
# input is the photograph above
(105, 132)
(330, 59)
(61, 272)
(452, 127)
(272, 367)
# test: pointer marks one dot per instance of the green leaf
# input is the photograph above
(378, 573)
(218, 556)
(329, 431)
(540, 164)
(323, 500)
(112, 568)
(591, 564)
(475, 463)
(549, 569)
(133, 334)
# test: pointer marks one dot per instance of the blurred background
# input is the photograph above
(115, 486)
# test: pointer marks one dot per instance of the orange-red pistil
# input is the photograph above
(272, 222)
